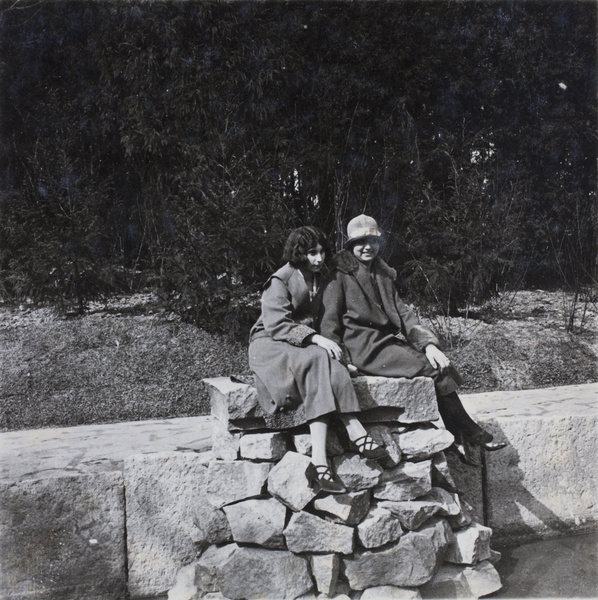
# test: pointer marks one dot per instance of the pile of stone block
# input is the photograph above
(400, 531)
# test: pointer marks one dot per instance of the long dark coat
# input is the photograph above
(288, 371)
(362, 312)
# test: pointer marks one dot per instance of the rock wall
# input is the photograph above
(400, 530)
(67, 504)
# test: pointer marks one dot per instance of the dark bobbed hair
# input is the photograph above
(300, 241)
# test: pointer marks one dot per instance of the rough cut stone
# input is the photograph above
(356, 472)
(325, 569)
(225, 444)
(287, 481)
(459, 582)
(470, 545)
(408, 400)
(231, 400)
(302, 443)
(463, 519)
(258, 522)
(482, 578)
(184, 587)
(448, 583)
(449, 504)
(271, 446)
(416, 397)
(423, 443)
(441, 474)
(406, 481)
(390, 592)
(206, 568)
(348, 509)
(410, 562)
(308, 533)
(168, 515)
(257, 573)
(378, 528)
(211, 524)
(231, 481)
(412, 514)
(383, 436)
(62, 537)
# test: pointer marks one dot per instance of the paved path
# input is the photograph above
(89, 448)
(565, 567)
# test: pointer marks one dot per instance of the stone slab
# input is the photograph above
(406, 481)
(545, 482)
(378, 528)
(309, 533)
(260, 522)
(62, 538)
(470, 545)
(236, 403)
(256, 573)
(288, 482)
(234, 480)
(166, 512)
(270, 446)
(416, 397)
(54, 452)
(325, 569)
(231, 400)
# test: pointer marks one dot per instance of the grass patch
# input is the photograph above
(104, 368)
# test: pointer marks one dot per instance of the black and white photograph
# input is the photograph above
(298, 299)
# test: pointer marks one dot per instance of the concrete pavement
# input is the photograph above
(52, 452)
(559, 568)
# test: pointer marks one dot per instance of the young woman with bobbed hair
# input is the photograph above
(294, 364)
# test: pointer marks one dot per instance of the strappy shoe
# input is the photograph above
(485, 440)
(367, 447)
(463, 452)
(321, 479)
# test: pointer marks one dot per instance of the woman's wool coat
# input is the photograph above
(287, 370)
(362, 312)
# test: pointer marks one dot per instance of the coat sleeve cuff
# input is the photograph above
(298, 334)
(421, 336)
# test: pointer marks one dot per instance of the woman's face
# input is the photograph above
(366, 250)
(315, 259)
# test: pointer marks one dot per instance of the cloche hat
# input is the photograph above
(360, 227)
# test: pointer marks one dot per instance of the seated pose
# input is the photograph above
(293, 364)
(362, 312)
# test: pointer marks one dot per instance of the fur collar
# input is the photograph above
(345, 262)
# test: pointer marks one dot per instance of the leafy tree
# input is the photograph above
(174, 144)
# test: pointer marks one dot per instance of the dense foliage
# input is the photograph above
(173, 144)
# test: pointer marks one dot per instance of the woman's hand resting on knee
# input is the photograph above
(333, 349)
(437, 358)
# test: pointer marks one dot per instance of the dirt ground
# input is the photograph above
(131, 360)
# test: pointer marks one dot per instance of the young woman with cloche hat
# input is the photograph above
(363, 313)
